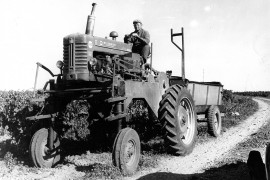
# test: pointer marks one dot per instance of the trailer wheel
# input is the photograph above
(176, 112)
(39, 151)
(126, 150)
(214, 121)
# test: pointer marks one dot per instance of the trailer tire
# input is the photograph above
(39, 152)
(214, 121)
(176, 113)
(126, 151)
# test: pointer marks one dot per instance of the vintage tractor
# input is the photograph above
(101, 79)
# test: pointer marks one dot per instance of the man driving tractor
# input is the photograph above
(140, 39)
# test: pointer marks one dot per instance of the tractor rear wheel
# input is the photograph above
(126, 150)
(176, 112)
(214, 121)
(41, 155)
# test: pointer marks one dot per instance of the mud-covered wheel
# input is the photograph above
(214, 121)
(176, 112)
(267, 161)
(40, 153)
(126, 150)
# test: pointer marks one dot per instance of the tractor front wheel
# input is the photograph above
(126, 150)
(41, 155)
(176, 112)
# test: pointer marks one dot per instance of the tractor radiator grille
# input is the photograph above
(75, 57)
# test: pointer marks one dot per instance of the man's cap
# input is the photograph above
(137, 21)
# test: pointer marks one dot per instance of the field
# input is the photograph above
(94, 164)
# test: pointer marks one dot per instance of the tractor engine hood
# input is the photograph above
(78, 50)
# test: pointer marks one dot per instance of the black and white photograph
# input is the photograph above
(135, 90)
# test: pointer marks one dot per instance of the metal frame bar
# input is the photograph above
(180, 48)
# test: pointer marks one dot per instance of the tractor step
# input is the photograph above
(46, 116)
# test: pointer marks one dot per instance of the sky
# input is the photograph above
(225, 40)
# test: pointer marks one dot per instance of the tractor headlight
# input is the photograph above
(60, 64)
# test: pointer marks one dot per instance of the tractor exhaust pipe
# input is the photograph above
(91, 21)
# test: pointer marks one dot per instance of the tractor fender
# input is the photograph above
(163, 81)
(38, 125)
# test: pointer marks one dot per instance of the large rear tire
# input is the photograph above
(39, 151)
(126, 151)
(214, 121)
(176, 112)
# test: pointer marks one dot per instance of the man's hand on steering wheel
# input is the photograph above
(135, 35)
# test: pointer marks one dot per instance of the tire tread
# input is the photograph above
(167, 116)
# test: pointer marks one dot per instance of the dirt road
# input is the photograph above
(207, 154)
